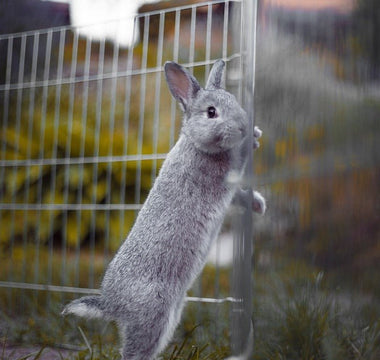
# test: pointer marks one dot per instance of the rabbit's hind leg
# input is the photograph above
(140, 341)
(146, 335)
(173, 321)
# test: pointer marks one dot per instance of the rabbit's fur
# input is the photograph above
(145, 284)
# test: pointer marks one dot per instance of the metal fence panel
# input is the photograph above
(86, 124)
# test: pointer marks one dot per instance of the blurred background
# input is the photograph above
(317, 100)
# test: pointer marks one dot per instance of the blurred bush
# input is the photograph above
(319, 161)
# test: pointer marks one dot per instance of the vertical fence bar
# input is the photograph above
(20, 94)
(5, 114)
(127, 102)
(241, 30)
(66, 181)
(173, 105)
(44, 106)
(28, 151)
(208, 39)
(79, 197)
(140, 134)
(31, 110)
(53, 170)
(218, 328)
(242, 328)
(192, 37)
(84, 114)
(111, 129)
(157, 97)
(95, 166)
(225, 29)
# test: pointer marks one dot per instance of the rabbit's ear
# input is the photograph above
(182, 85)
(216, 75)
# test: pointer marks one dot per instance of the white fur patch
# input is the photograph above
(83, 310)
(168, 332)
(234, 177)
(174, 319)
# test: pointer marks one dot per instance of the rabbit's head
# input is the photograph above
(213, 119)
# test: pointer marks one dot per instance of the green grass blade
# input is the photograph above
(86, 341)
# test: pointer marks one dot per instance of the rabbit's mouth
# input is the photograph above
(219, 138)
(230, 140)
(243, 132)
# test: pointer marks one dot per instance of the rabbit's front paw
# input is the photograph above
(256, 136)
(259, 204)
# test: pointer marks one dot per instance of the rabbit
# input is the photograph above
(145, 284)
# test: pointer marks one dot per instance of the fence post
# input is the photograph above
(242, 274)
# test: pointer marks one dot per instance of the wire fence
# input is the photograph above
(85, 125)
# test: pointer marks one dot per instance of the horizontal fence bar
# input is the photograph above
(77, 290)
(80, 161)
(138, 16)
(69, 207)
(43, 287)
(212, 300)
(108, 76)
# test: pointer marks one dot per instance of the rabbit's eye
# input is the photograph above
(211, 112)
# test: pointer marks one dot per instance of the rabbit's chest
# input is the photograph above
(191, 219)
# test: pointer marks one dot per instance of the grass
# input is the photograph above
(32, 318)
(301, 314)
(298, 315)
(94, 340)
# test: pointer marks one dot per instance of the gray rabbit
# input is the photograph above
(145, 284)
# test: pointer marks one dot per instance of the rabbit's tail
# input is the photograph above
(87, 306)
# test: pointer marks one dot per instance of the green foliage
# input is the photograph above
(307, 322)
(55, 142)
(319, 162)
